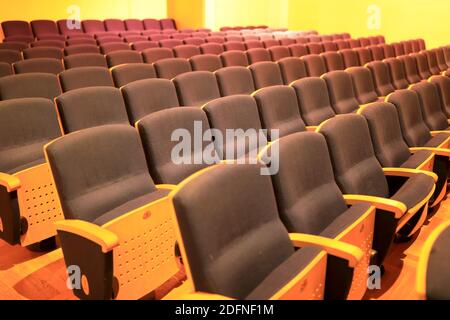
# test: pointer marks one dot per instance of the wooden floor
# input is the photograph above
(32, 275)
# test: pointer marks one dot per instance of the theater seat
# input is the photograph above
(28, 196)
(358, 172)
(5, 69)
(130, 72)
(432, 62)
(292, 69)
(212, 48)
(155, 54)
(114, 25)
(93, 26)
(117, 58)
(79, 49)
(258, 55)
(422, 65)
(377, 53)
(196, 88)
(170, 68)
(194, 41)
(234, 45)
(234, 59)
(397, 72)
(239, 113)
(381, 78)
(16, 46)
(278, 110)
(315, 65)
(85, 60)
(272, 267)
(310, 202)
(186, 51)
(144, 45)
(45, 28)
(99, 219)
(206, 62)
(156, 131)
(363, 85)
(278, 52)
(350, 58)
(10, 56)
(340, 89)
(431, 107)
(266, 74)
(298, 50)
(85, 77)
(48, 44)
(442, 84)
(440, 56)
(42, 52)
(29, 85)
(313, 100)
(148, 96)
(235, 80)
(333, 61)
(15, 28)
(134, 24)
(39, 65)
(364, 56)
(410, 67)
(114, 46)
(392, 151)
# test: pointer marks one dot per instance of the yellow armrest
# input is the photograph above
(204, 297)
(336, 248)
(437, 151)
(104, 238)
(448, 121)
(166, 187)
(408, 173)
(10, 182)
(435, 133)
(311, 128)
(396, 207)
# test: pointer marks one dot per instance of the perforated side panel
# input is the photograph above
(309, 286)
(145, 258)
(361, 235)
(39, 204)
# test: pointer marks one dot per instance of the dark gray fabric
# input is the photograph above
(414, 130)
(292, 69)
(333, 61)
(438, 277)
(381, 78)
(266, 74)
(85, 60)
(26, 125)
(258, 55)
(130, 72)
(411, 71)
(313, 100)
(350, 58)
(397, 72)
(170, 68)
(356, 169)
(390, 148)
(233, 112)
(363, 84)
(91, 175)
(340, 89)
(85, 77)
(79, 49)
(5, 69)
(279, 52)
(31, 85)
(234, 59)
(414, 190)
(206, 62)
(43, 52)
(315, 65)
(278, 110)
(235, 80)
(39, 65)
(430, 104)
(442, 84)
(155, 54)
(10, 56)
(145, 97)
(156, 132)
(196, 88)
(91, 107)
(235, 262)
(117, 58)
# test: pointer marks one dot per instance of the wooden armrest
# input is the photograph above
(408, 173)
(103, 237)
(10, 182)
(311, 128)
(204, 296)
(435, 133)
(437, 151)
(396, 207)
(336, 248)
(448, 121)
(166, 187)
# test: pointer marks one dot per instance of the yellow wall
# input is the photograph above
(187, 13)
(400, 19)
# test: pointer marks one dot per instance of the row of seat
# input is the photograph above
(44, 28)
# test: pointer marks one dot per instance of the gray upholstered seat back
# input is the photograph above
(130, 72)
(30, 85)
(196, 88)
(431, 106)
(85, 77)
(99, 169)
(356, 168)
(381, 78)
(156, 132)
(266, 74)
(442, 83)
(26, 125)
(341, 92)
(363, 84)
(292, 69)
(241, 200)
(235, 80)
